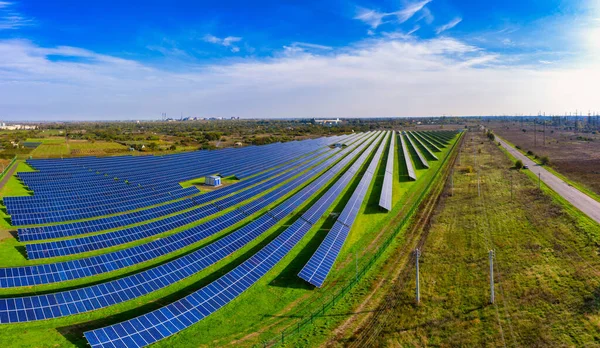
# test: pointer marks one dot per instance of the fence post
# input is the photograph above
(492, 276)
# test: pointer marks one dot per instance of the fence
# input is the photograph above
(308, 320)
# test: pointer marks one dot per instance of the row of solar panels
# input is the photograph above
(174, 317)
(35, 204)
(75, 269)
(385, 199)
(131, 234)
(106, 294)
(175, 168)
(91, 208)
(319, 265)
(112, 222)
(170, 319)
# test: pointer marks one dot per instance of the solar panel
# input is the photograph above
(166, 321)
(50, 273)
(407, 161)
(422, 145)
(385, 200)
(420, 156)
(316, 269)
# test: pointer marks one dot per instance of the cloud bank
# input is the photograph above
(374, 77)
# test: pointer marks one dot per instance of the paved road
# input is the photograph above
(579, 199)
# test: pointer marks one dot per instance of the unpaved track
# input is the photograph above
(10, 173)
(580, 200)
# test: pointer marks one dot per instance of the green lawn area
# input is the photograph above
(272, 304)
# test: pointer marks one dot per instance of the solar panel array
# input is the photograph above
(146, 199)
(127, 235)
(318, 267)
(170, 319)
(420, 156)
(385, 200)
(106, 294)
(407, 161)
(75, 269)
(427, 151)
(431, 142)
(82, 188)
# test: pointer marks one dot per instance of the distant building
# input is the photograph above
(17, 127)
(212, 180)
(326, 122)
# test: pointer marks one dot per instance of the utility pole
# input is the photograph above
(540, 181)
(356, 264)
(418, 291)
(535, 133)
(452, 183)
(478, 184)
(544, 133)
(511, 186)
(492, 277)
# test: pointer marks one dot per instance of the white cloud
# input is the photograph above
(370, 17)
(407, 12)
(312, 46)
(375, 77)
(10, 18)
(426, 15)
(375, 18)
(226, 42)
(413, 30)
(448, 25)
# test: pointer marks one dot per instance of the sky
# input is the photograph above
(108, 60)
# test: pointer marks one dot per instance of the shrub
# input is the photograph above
(467, 169)
(529, 153)
(518, 164)
(544, 160)
(518, 147)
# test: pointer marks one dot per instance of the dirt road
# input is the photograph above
(579, 199)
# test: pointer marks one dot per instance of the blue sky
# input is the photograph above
(68, 60)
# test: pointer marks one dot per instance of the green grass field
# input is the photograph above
(545, 267)
(274, 303)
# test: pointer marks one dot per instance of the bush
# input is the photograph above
(467, 169)
(529, 153)
(518, 164)
(518, 147)
(544, 160)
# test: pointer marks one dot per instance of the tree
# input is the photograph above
(491, 135)
(153, 146)
(173, 147)
(519, 164)
(544, 160)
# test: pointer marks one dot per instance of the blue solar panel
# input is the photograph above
(84, 188)
(422, 145)
(161, 323)
(407, 161)
(50, 273)
(385, 200)
(316, 269)
(420, 156)
(427, 141)
(120, 290)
